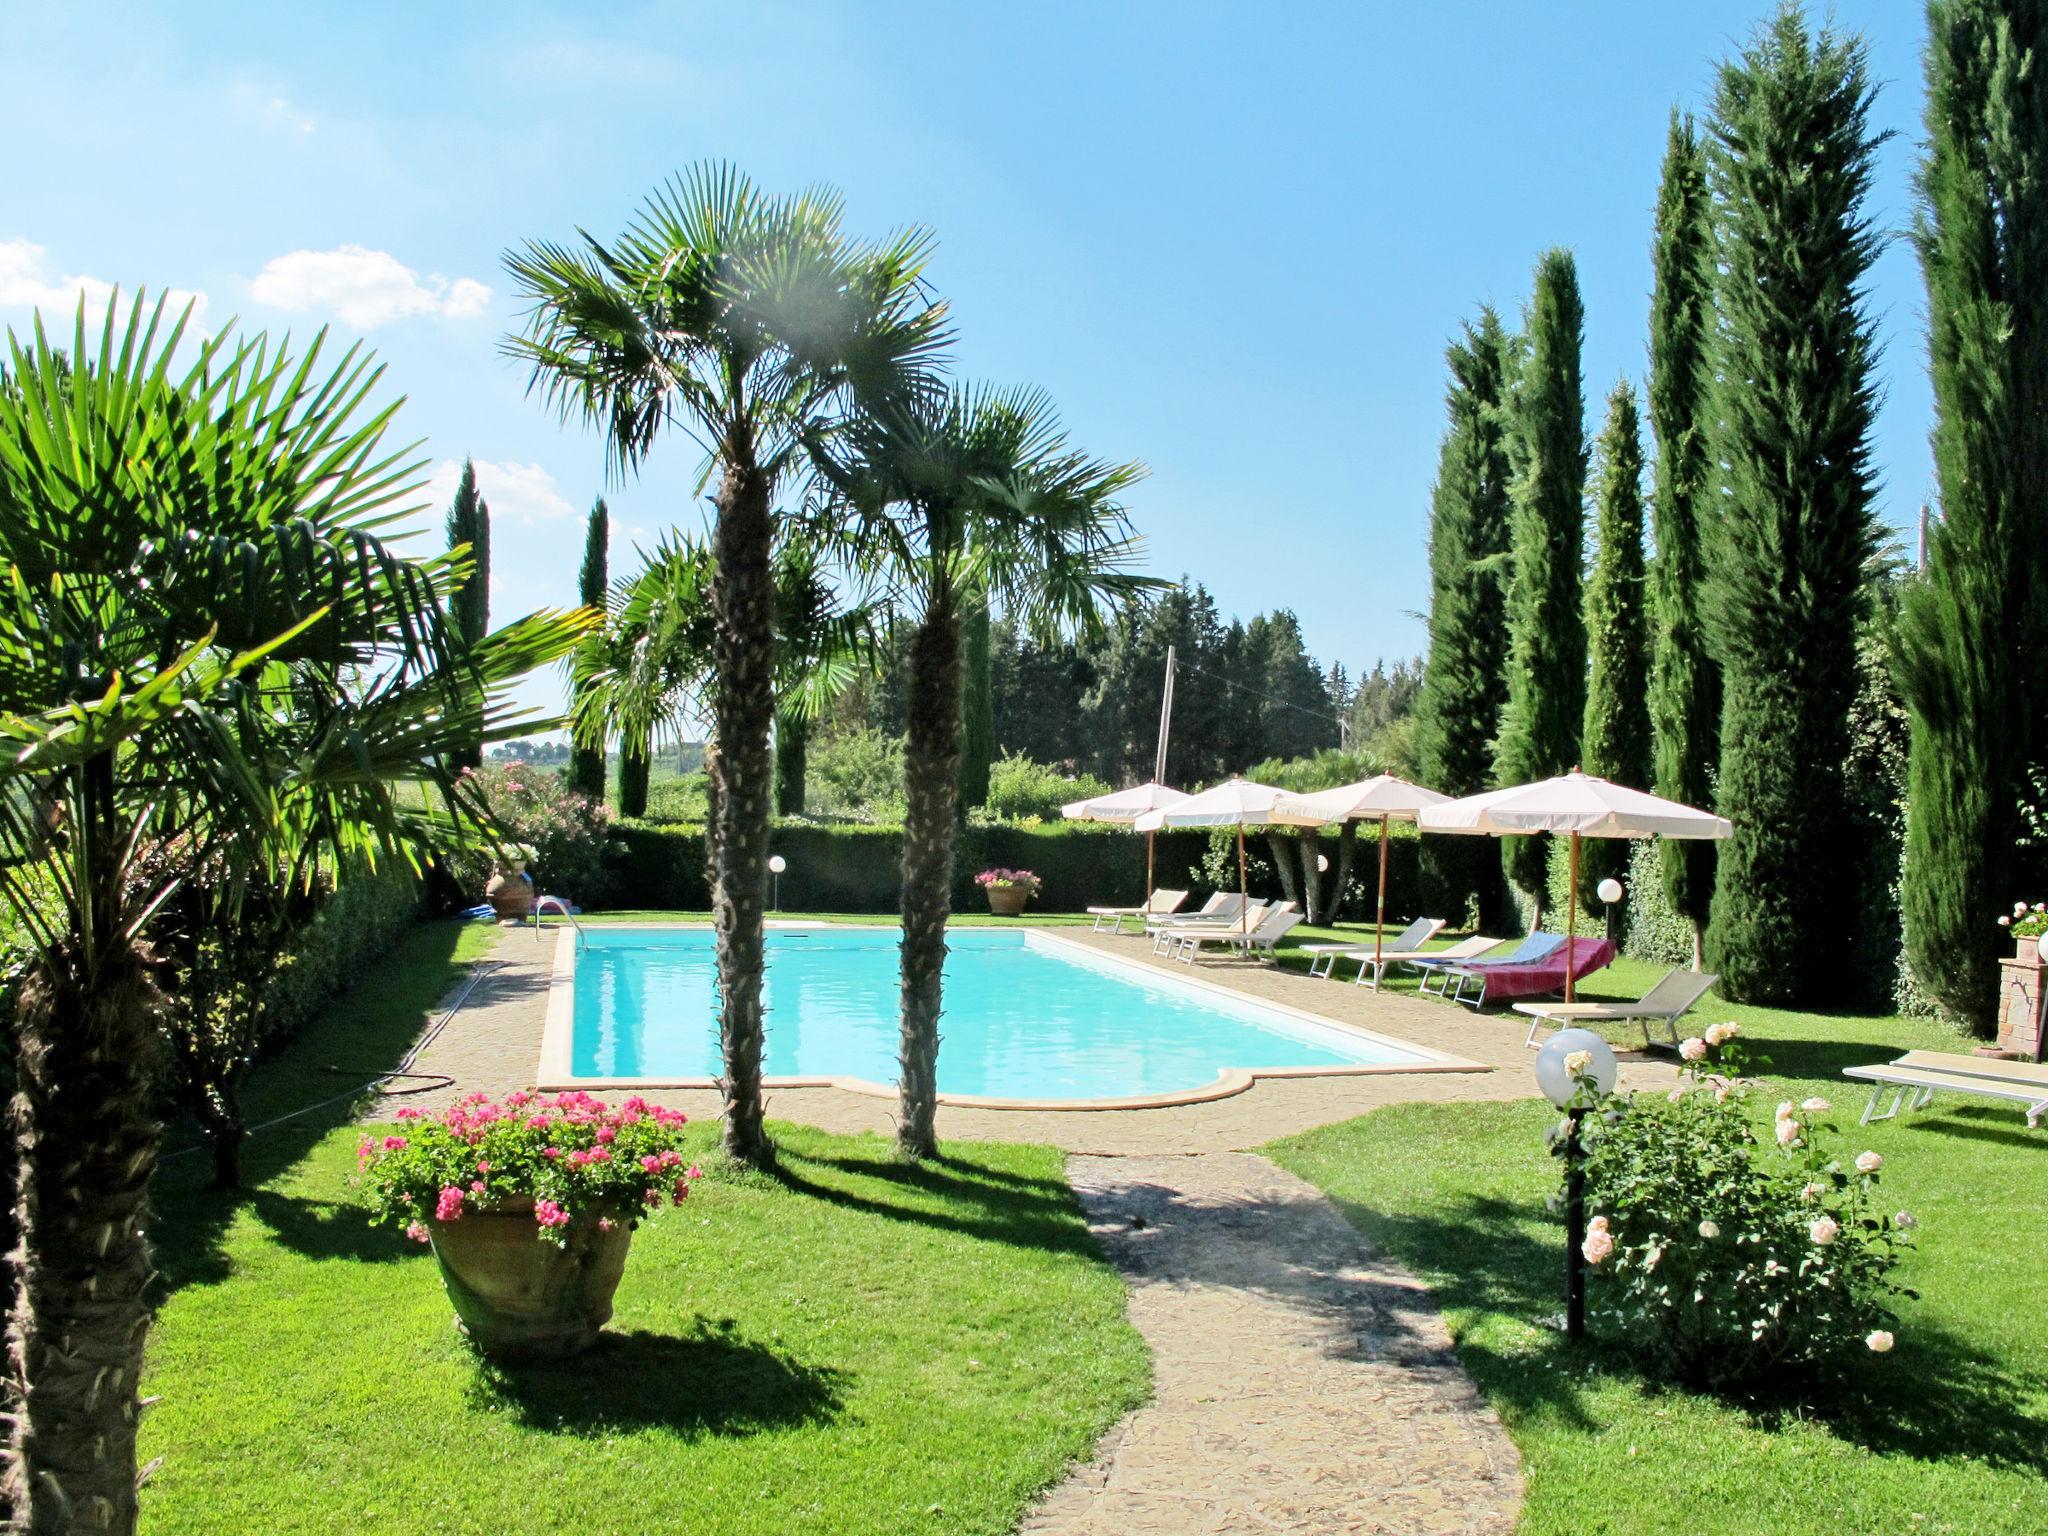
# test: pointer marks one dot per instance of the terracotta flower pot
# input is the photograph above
(2030, 950)
(1007, 900)
(510, 894)
(517, 1293)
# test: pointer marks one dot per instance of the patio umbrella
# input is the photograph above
(1579, 805)
(1383, 796)
(1236, 803)
(1125, 807)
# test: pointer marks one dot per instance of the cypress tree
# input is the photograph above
(1685, 685)
(1546, 675)
(586, 764)
(1790, 168)
(634, 769)
(978, 712)
(1458, 707)
(1617, 729)
(1968, 629)
(469, 522)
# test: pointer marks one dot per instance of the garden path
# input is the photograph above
(1301, 1382)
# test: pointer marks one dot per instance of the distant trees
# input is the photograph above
(469, 605)
(1968, 631)
(586, 763)
(1685, 682)
(1615, 743)
(1790, 168)
(977, 710)
(1546, 673)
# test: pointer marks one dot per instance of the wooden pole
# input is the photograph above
(1244, 889)
(1148, 867)
(1379, 933)
(1571, 920)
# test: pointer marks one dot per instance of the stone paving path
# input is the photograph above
(1302, 1383)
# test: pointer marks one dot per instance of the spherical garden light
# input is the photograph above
(776, 865)
(1574, 1067)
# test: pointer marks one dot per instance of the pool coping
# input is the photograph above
(555, 1074)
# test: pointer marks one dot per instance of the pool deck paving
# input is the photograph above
(1303, 1383)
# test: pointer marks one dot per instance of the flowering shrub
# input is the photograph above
(1728, 1257)
(1005, 879)
(559, 832)
(2027, 922)
(572, 1156)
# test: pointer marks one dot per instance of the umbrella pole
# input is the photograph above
(1379, 932)
(1571, 919)
(1148, 867)
(1244, 890)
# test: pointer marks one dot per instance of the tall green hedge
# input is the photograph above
(854, 869)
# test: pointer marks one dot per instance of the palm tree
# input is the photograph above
(208, 660)
(961, 501)
(755, 324)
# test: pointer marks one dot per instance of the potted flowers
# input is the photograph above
(529, 1205)
(1008, 889)
(2027, 925)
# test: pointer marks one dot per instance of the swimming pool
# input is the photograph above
(1028, 1017)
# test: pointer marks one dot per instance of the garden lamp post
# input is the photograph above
(1609, 892)
(776, 865)
(1571, 1061)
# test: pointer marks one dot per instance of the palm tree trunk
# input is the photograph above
(742, 777)
(931, 785)
(87, 1046)
(1347, 852)
(1286, 860)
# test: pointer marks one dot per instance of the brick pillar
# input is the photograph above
(2019, 1006)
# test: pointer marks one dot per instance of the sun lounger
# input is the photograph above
(1233, 919)
(1916, 1077)
(1266, 931)
(1323, 958)
(1665, 1003)
(1504, 982)
(1375, 971)
(1161, 904)
(1532, 949)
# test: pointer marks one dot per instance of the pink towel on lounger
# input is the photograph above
(1505, 983)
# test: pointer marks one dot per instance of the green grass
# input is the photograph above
(1947, 1433)
(858, 919)
(853, 1345)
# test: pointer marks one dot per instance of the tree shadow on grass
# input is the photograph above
(710, 1381)
(1031, 1213)
(1938, 1398)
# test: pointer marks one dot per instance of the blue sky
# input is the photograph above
(1229, 240)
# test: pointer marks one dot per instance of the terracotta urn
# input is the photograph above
(2030, 949)
(510, 894)
(519, 1294)
(1007, 900)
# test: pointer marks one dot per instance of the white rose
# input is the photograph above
(1721, 1034)
(1868, 1162)
(1788, 1133)
(1785, 1110)
(1880, 1342)
(1824, 1231)
(1693, 1048)
(1813, 1191)
(1577, 1062)
(1816, 1106)
(1709, 1230)
(1597, 1246)
(1905, 1221)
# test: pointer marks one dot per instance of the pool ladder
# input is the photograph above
(562, 908)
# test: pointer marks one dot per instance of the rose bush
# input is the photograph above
(574, 1157)
(2027, 922)
(559, 832)
(1727, 1257)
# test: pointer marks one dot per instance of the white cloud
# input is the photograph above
(264, 102)
(363, 288)
(521, 493)
(25, 284)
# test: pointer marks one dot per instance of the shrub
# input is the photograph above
(857, 774)
(685, 800)
(1726, 1260)
(572, 1156)
(562, 832)
(1020, 789)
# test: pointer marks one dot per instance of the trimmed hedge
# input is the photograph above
(855, 869)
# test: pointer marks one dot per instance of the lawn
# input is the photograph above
(852, 1345)
(1947, 1433)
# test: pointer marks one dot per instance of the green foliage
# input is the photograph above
(1685, 689)
(636, 767)
(1727, 1261)
(1654, 930)
(1464, 680)
(1972, 627)
(1326, 769)
(559, 835)
(977, 713)
(858, 775)
(1791, 169)
(361, 918)
(593, 582)
(1617, 742)
(683, 798)
(1546, 671)
(469, 527)
(1021, 790)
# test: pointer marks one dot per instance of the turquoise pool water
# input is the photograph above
(1026, 1017)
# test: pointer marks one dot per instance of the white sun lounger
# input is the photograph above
(1323, 958)
(1266, 931)
(1916, 1077)
(1665, 1003)
(1163, 903)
